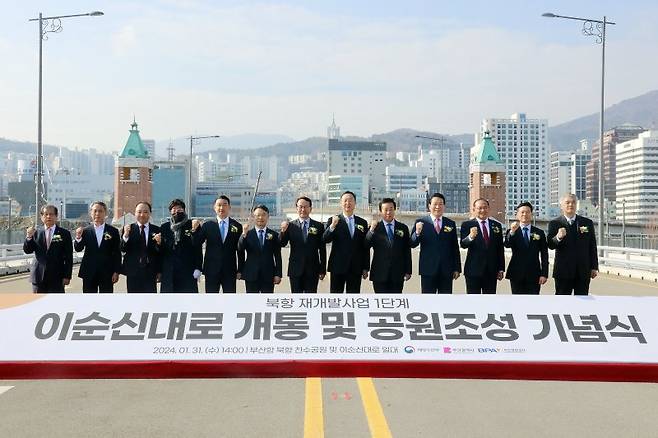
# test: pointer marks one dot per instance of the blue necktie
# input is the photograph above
(261, 237)
(305, 231)
(389, 231)
(526, 237)
(222, 230)
(351, 222)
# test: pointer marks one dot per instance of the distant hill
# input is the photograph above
(641, 110)
(25, 147)
(398, 140)
(233, 142)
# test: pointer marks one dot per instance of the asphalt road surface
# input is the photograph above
(317, 407)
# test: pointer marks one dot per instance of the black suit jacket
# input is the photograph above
(529, 261)
(261, 263)
(184, 257)
(56, 262)
(308, 256)
(483, 259)
(389, 259)
(439, 252)
(104, 259)
(132, 251)
(576, 254)
(221, 258)
(348, 255)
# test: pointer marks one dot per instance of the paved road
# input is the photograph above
(317, 407)
(602, 285)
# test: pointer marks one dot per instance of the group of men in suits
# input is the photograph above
(172, 254)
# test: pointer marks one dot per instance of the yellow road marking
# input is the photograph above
(374, 412)
(313, 420)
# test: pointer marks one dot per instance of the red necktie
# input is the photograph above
(485, 233)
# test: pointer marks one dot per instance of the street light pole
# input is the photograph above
(55, 23)
(194, 140)
(597, 29)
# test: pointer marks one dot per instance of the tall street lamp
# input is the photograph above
(595, 28)
(194, 140)
(47, 25)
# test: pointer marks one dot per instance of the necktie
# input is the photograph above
(261, 237)
(389, 231)
(49, 237)
(142, 244)
(351, 222)
(485, 232)
(526, 236)
(305, 231)
(222, 230)
(437, 225)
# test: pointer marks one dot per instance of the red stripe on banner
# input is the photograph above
(583, 371)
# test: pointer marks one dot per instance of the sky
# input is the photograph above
(215, 67)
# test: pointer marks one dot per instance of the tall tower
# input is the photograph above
(487, 178)
(333, 131)
(132, 176)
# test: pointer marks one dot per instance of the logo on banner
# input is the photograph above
(409, 349)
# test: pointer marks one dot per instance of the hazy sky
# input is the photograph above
(230, 67)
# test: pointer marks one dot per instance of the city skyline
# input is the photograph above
(285, 67)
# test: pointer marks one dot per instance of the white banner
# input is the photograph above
(207, 327)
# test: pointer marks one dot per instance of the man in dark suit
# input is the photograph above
(308, 254)
(391, 259)
(53, 250)
(573, 238)
(181, 256)
(485, 259)
(141, 248)
(528, 269)
(440, 262)
(101, 262)
(262, 267)
(349, 260)
(222, 265)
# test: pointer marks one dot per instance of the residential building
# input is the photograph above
(522, 145)
(611, 139)
(637, 178)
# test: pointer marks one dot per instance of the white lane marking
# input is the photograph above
(4, 389)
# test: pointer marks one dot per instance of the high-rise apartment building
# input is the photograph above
(611, 139)
(567, 173)
(636, 190)
(523, 147)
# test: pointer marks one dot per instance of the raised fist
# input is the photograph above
(419, 228)
(157, 238)
(126, 231)
(334, 221)
(561, 233)
(30, 232)
(514, 227)
(245, 228)
(473, 233)
(78, 233)
(284, 226)
(373, 224)
(196, 223)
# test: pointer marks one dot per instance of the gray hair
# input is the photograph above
(568, 196)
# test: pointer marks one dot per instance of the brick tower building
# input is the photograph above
(132, 176)
(487, 178)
